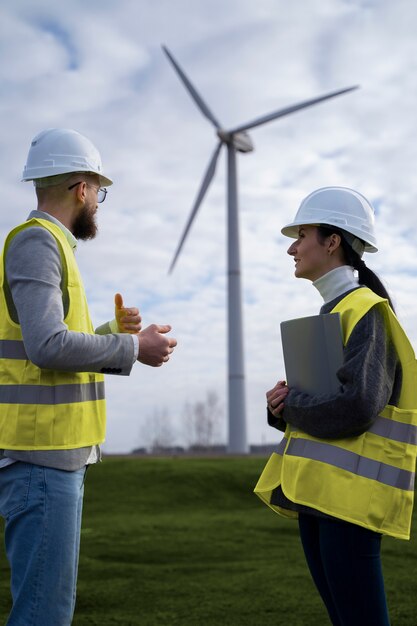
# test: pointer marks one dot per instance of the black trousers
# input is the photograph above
(345, 563)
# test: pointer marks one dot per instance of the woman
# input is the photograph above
(345, 467)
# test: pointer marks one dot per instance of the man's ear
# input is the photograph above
(82, 192)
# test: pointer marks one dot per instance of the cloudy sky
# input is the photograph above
(98, 67)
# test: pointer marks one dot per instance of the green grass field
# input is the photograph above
(185, 542)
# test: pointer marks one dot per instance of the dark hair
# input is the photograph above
(366, 276)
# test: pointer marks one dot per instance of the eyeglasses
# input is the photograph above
(101, 191)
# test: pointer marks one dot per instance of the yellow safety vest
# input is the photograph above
(367, 480)
(43, 409)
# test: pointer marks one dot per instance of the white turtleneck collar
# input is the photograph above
(336, 282)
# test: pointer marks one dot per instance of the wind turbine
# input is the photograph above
(235, 140)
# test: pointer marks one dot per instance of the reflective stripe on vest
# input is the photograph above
(397, 431)
(42, 409)
(12, 349)
(282, 445)
(327, 453)
(351, 462)
(51, 394)
(369, 479)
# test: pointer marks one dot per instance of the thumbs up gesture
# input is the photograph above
(128, 319)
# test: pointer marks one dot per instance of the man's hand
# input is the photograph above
(154, 347)
(276, 396)
(128, 320)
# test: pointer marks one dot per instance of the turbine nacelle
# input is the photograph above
(240, 141)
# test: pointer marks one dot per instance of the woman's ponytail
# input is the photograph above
(366, 276)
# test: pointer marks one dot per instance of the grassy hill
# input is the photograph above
(185, 542)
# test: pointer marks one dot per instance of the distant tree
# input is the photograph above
(158, 432)
(202, 421)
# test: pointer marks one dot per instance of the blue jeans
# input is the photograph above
(42, 509)
(345, 563)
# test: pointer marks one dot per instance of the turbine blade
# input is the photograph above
(193, 92)
(290, 109)
(208, 177)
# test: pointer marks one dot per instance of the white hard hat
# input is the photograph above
(62, 151)
(342, 207)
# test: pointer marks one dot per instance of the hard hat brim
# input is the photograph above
(39, 173)
(291, 230)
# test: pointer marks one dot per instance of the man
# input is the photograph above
(52, 413)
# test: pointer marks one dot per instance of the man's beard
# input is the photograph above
(85, 226)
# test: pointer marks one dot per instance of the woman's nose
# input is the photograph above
(291, 249)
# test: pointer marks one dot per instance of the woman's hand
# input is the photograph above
(276, 396)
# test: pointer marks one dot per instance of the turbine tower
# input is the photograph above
(235, 140)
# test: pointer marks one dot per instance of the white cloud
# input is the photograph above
(98, 67)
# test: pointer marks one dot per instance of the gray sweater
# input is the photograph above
(38, 302)
(370, 378)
